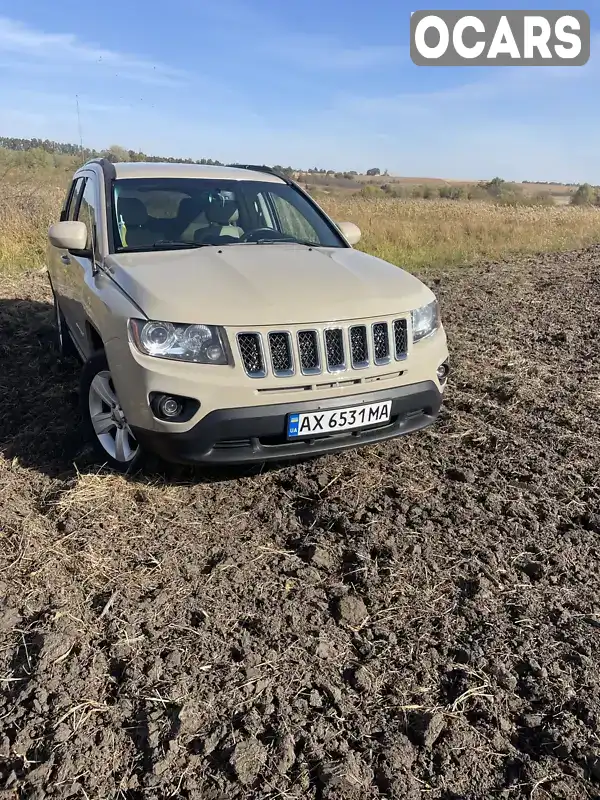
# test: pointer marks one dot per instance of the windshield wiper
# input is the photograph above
(165, 244)
(286, 241)
(168, 245)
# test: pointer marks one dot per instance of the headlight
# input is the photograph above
(425, 320)
(203, 344)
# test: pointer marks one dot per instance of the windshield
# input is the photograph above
(174, 213)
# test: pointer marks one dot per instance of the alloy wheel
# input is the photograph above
(108, 420)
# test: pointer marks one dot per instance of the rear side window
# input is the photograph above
(88, 211)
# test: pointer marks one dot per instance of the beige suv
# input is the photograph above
(222, 316)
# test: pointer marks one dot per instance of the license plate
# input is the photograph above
(316, 423)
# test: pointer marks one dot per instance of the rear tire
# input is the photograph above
(104, 422)
(63, 342)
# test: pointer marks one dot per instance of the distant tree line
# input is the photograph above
(45, 154)
(497, 190)
(49, 146)
(550, 183)
(113, 153)
(117, 153)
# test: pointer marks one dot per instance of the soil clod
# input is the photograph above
(351, 610)
(247, 760)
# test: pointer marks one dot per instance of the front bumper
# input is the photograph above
(257, 434)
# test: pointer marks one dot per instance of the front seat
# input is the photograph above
(133, 213)
(222, 216)
(192, 216)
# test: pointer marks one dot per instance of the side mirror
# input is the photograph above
(69, 235)
(350, 232)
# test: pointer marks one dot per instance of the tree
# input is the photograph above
(495, 187)
(585, 195)
(116, 153)
(373, 171)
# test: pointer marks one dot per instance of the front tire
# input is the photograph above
(104, 421)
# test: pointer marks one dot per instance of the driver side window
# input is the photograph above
(87, 213)
(263, 215)
(72, 201)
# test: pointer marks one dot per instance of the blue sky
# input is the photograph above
(322, 83)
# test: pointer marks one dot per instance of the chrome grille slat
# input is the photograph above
(334, 349)
(310, 355)
(280, 347)
(400, 338)
(381, 343)
(359, 346)
(251, 351)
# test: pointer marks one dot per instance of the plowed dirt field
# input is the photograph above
(418, 619)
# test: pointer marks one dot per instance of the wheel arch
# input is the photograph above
(94, 338)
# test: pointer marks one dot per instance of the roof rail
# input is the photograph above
(97, 160)
(261, 168)
(107, 167)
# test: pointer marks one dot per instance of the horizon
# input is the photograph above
(323, 171)
(294, 86)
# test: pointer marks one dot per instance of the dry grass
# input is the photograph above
(420, 233)
(26, 211)
(411, 233)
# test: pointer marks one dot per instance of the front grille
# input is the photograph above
(312, 352)
(251, 352)
(308, 348)
(381, 342)
(359, 346)
(281, 353)
(400, 338)
(232, 444)
(334, 348)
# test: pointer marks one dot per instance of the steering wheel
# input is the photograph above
(265, 233)
(216, 239)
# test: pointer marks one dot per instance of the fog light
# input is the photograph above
(169, 407)
(442, 372)
(172, 407)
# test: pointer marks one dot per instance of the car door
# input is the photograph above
(59, 260)
(80, 269)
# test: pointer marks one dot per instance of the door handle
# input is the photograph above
(65, 259)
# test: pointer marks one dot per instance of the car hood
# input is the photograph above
(252, 285)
